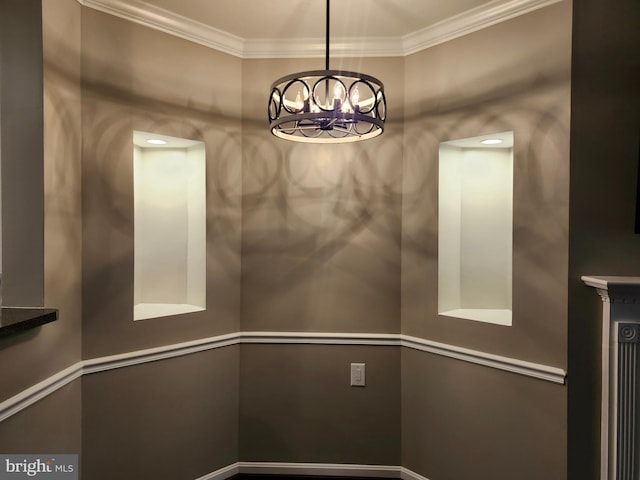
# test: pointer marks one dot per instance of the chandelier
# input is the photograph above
(327, 106)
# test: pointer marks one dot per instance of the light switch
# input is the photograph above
(357, 374)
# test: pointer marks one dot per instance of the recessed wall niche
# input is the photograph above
(475, 223)
(169, 225)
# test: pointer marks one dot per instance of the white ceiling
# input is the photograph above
(296, 28)
(287, 19)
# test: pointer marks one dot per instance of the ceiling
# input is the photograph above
(296, 28)
(289, 19)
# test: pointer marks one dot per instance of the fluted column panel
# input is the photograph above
(628, 339)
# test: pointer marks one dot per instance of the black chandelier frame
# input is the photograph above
(313, 116)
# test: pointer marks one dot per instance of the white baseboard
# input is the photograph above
(222, 473)
(314, 469)
(406, 474)
(320, 469)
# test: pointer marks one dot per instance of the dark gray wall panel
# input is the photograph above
(605, 151)
(21, 150)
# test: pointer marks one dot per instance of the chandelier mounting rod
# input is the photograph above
(326, 63)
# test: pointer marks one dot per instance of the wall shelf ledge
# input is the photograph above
(15, 319)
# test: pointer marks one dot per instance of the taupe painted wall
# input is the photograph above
(320, 224)
(174, 419)
(173, 96)
(150, 81)
(296, 404)
(320, 253)
(462, 421)
(50, 426)
(507, 77)
(322, 230)
(53, 424)
(605, 156)
(512, 76)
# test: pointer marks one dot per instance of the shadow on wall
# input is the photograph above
(116, 100)
(537, 112)
(321, 217)
(534, 103)
(62, 205)
(321, 232)
(111, 114)
(311, 202)
(108, 143)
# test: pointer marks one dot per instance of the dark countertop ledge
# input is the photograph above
(14, 320)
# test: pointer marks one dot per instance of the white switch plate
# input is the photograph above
(357, 374)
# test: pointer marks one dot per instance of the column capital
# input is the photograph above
(615, 289)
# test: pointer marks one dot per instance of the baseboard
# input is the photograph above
(319, 469)
(222, 473)
(313, 469)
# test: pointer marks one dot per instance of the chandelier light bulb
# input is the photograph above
(299, 103)
(337, 92)
(337, 97)
(355, 97)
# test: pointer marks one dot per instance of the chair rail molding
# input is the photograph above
(31, 395)
(619, 432)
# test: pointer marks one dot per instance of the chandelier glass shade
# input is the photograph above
(327, 106)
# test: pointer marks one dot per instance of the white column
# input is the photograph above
(620, 349)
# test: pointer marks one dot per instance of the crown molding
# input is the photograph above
(484, 16)
(157, 18)
(315, 47)
(143, 13)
